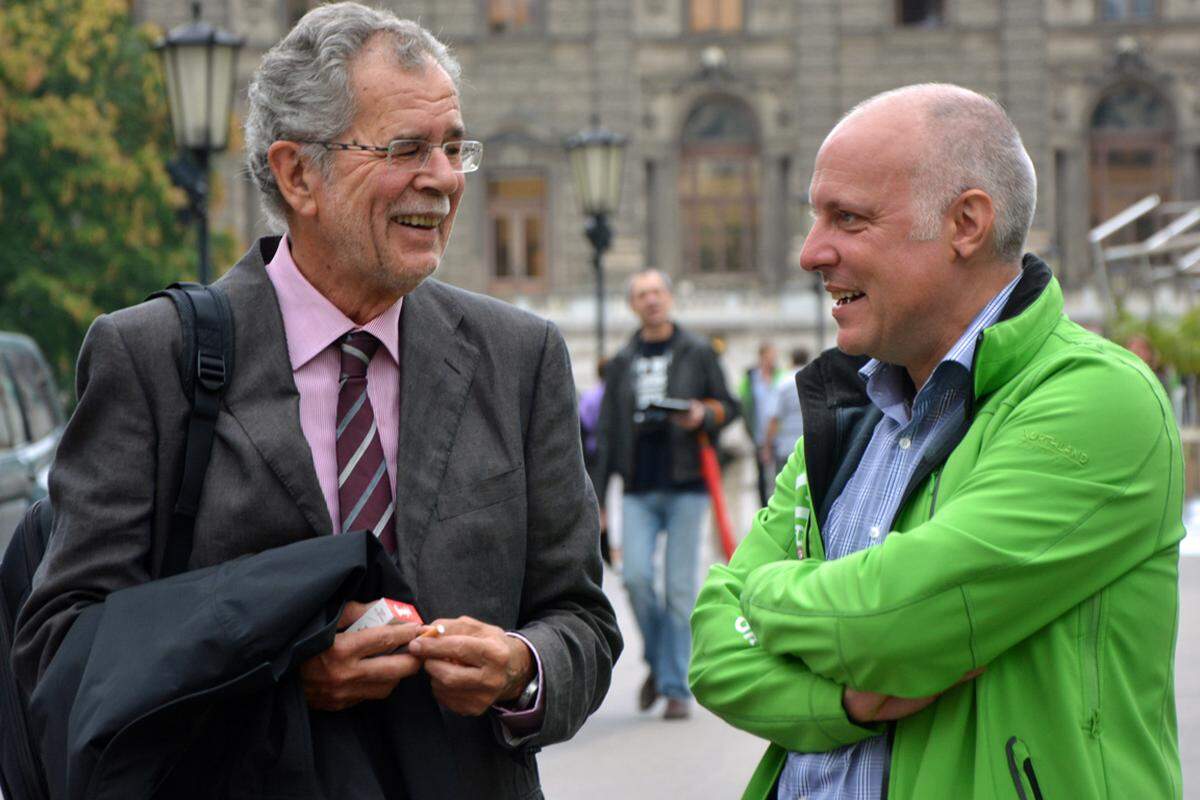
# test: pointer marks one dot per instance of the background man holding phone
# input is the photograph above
(663, 388)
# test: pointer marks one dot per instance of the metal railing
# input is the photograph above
(1169, 253)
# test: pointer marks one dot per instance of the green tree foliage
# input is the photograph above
(87, 211)
(1182, 348)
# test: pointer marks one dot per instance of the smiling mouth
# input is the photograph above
(421, 221)
(845, 298)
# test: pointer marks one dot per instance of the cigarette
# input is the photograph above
(434, 631)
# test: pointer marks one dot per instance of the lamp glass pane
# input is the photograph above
(580, 175)
(191, 63)
(223, 61)
(174, 101)
(616, 159)
(597, 169)
(579, 172)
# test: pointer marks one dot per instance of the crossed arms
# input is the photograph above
(1017, 541)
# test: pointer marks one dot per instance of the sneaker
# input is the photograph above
(648, 693)
(677, 708)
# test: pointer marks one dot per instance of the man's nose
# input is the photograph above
(818, 251)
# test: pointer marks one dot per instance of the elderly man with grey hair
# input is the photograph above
(965, 584)
(366, 396)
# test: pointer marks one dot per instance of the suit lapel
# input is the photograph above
(262, 396)
(436, 367)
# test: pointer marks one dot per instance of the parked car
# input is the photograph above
(31, 422)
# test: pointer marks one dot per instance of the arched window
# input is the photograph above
(1132, 150)
(719, 187)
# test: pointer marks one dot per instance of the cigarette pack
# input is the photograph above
(386, 612)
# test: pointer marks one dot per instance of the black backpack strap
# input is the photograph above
(206, 365)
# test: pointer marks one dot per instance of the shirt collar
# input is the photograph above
(311, 323)
(885, 382)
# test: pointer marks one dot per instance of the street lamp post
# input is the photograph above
(597, 156)
(200, 62)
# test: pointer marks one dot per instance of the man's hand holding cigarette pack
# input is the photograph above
(387, 611)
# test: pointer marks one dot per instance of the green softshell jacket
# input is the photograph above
(1040, 542)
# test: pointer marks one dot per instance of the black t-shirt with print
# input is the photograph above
(652, 443)
(652, 440)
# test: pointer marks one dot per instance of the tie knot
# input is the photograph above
(357, 348)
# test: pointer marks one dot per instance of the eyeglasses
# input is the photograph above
(411, 155)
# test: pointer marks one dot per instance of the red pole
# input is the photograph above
(710, 470)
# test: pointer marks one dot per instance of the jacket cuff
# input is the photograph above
(826, 709)
(517, 727)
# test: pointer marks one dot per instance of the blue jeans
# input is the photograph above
(664, 622)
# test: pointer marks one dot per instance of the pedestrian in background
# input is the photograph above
(656, 453)
(785, 420)
(756, 392)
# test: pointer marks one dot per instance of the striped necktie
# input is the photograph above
(364, 491)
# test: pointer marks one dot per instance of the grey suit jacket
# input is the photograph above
(494, 515)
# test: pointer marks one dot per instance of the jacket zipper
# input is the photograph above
(1022, 762)
(1089, 664)
(937, 482)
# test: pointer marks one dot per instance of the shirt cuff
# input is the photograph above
(520, 725)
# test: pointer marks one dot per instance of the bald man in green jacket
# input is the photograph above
(966, 582)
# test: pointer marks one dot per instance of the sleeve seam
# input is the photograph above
(970, 627)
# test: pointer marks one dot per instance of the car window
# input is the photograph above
(10, 418)
(35, 391)
(11, 404)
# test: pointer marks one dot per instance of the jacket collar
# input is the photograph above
(1034, 307)
(1006, 348)
(839, 417)
(262, 396)
(437, 365)
(683, 338)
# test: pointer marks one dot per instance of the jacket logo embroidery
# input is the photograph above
(742, 626)
(1045, 441)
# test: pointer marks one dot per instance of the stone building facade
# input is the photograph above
(725, 103)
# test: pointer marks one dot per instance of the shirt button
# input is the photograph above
(875, 531)
(904, 442)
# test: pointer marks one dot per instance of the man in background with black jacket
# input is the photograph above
(657, 454)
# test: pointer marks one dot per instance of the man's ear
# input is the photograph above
(295, 177)
(973, 216)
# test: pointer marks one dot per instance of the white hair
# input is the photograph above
(301, 89)
(968, 142)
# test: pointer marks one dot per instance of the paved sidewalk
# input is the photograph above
(622, 754)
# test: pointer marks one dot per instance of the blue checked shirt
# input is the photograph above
(861, 517)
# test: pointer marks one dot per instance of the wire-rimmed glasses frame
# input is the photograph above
(412, 155)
